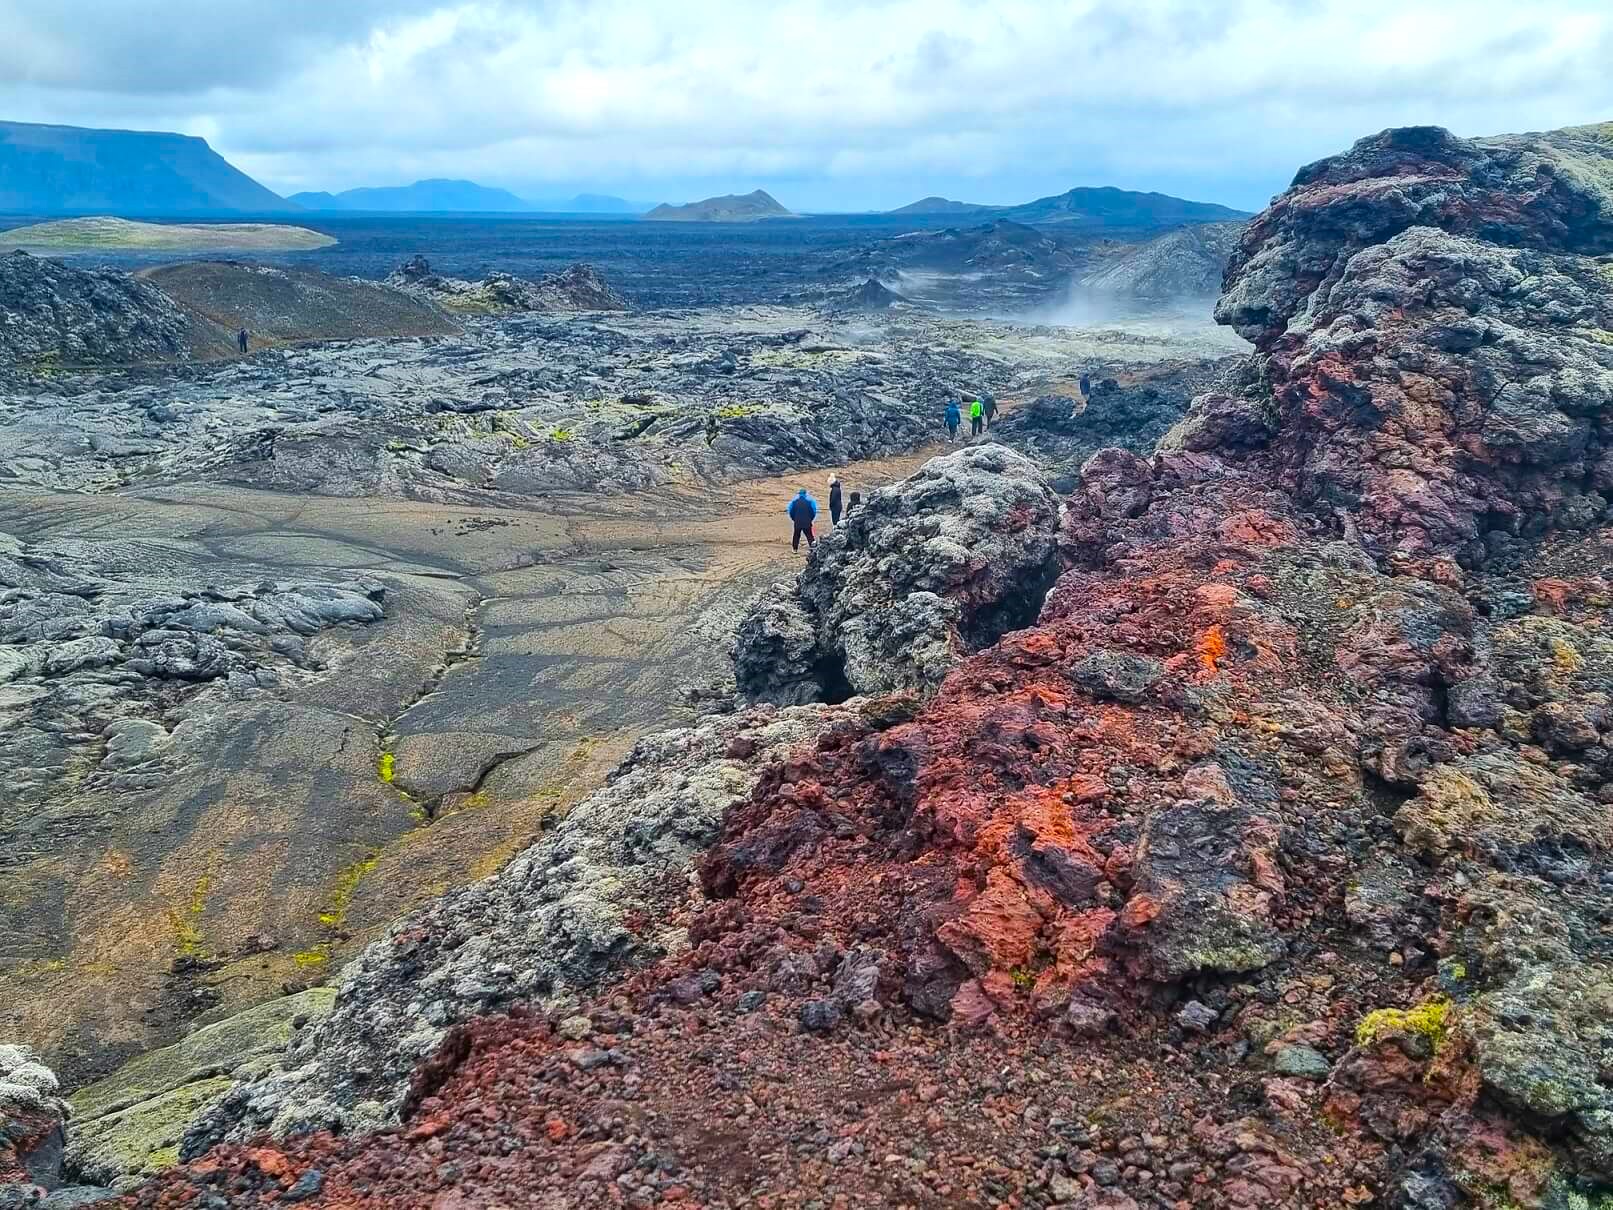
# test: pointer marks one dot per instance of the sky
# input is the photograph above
(828, 104)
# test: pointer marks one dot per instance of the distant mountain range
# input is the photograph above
(73, 170)
(69, 170)
(731, 208)
(1107, 207)
(460, 197)
(422, 195)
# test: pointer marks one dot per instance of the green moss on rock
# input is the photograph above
(129, 1125)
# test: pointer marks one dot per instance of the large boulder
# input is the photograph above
(927, 570)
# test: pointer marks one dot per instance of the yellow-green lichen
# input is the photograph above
(386, 767)
(312, 959)
(561, 435)
(186, 920)
(1564, 658)
(733, 411)
(1430, 1019)
(334, 914)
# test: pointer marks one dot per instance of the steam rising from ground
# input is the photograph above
(1183, 315)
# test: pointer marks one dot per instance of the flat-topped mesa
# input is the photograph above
(1435, 338)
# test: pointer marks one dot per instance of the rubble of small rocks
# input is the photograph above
(579, 288)
(920, 574)
(1270, 866)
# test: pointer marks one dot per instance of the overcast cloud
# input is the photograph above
(829, 103)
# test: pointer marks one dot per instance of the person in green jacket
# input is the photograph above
(977, 418)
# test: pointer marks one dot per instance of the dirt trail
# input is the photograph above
(523, 653)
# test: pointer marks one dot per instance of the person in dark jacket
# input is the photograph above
(834, 499)
(1086, 386)
(954, 419)
(803, 511)
(988, 404)
(711, 428)
(240, 339)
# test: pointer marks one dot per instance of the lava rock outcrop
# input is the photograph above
(1186, 263)
(89, 662)
(1433, 323)
(53, 315)
(1066, 430)
(922, 573)
(578, 288)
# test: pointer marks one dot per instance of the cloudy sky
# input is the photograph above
(831, 104)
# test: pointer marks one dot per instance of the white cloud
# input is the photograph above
(834, 101)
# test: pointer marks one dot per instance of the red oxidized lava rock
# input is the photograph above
(1432, 327)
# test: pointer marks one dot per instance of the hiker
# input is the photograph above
(834, 499)
(990, 402)
(240, 339)
(1086, 386)
(977, 417)
(954, 419)
(803, 510)
(711, 428)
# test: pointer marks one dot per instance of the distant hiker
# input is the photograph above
(954, 419)
(977, 418)
(240, 339)
(990, 402)
(803, 510)
(1086, 386)
(834, 499)
(711, 428)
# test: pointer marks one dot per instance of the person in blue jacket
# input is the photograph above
(954, 419)
(803, 511)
